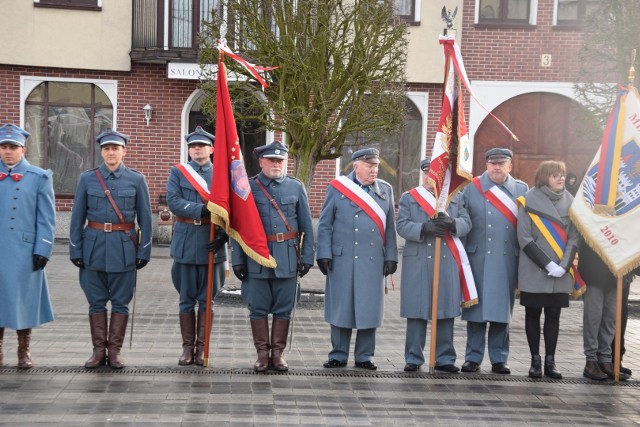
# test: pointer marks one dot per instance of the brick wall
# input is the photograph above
(513, 54)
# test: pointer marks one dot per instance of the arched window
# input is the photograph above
(64, 119)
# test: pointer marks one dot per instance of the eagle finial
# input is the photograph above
(447, 16)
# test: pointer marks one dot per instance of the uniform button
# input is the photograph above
(489, 252)
(489, 225)
(489, 239)
(373, 229)
(444, 256)
(355, 229)
(429, 257)
(489, 212)
(371, 258)
(275, 226)
(445, 243)
(356, 243)
(356, 257)
(356, 215)
(371, 244)
(428, 244)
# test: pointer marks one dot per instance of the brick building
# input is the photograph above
(70, 69)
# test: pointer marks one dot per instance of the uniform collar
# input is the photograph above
(509, 184)
(206, 167)
(374, 188)
(105, 172)
(21, 167)
(265, 180)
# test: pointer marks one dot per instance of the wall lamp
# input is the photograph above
(147, 110)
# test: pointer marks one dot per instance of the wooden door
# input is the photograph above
(549, 127)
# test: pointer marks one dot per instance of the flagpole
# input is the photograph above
(210, 285)
(434, 306)
(616, 350)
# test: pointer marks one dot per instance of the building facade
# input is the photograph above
(70, 69)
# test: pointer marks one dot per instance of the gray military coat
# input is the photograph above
(418, 260)
(354, 290)
(493, 251)
(532, 276)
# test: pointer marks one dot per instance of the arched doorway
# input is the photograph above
(549, 127)
(250, 134)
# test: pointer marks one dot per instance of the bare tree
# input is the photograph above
(341, 71)
(610, 34)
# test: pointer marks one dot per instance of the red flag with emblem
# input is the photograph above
(231, 204)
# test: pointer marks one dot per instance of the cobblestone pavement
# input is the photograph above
(153, 390)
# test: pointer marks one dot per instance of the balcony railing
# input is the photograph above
(167, 30)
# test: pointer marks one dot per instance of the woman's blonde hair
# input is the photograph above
(547, 169)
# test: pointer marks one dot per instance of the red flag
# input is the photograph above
(452, 157)
(231, 204)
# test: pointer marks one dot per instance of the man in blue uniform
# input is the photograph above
(283, 207)
(188, 191)
(104, 245)
(417, 224)
(27, 221)
(492, 247)
(356, 248)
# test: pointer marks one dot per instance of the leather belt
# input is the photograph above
(198, 221)
(108, 227)
(281, 237)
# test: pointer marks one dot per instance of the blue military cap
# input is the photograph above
(110, 136)
(12, 134)
(275, 150)
(424, 165)
(498, 155)
(369, 155)
(199, 136)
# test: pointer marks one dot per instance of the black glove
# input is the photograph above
(390, 267)
(240, 271)
(140, 263)
(78, 262)
(39, 262)
(434, 227)
(447, 222)
(303, 269)
(325, 264)
(205, 212)
(218, 241)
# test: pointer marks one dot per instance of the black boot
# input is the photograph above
(536, 367)
(550, 368)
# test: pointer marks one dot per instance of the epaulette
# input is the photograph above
(293, 177)
(90, 170)
(382, 181)
(134, 170)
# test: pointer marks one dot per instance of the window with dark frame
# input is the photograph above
(574, 12)
(63, 119)
(69, 4)
(504, 12)
(405, 9)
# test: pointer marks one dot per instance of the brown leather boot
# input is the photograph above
(260, 330)
(202, 321)
(117, 331)
(279, 332)
(593, 371)
(188, 332)
(1, 339)
(98, 325)
(24, 356)
(607, 368)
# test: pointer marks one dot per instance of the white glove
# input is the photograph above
(557, 271)
(551, 266)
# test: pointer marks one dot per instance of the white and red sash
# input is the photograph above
(500, 200)
(427, 201)
(357, 195)
(196, 180)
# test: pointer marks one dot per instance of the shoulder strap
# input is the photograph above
(114, 205)
(274, 204)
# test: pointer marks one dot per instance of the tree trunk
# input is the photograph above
(305, 166)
